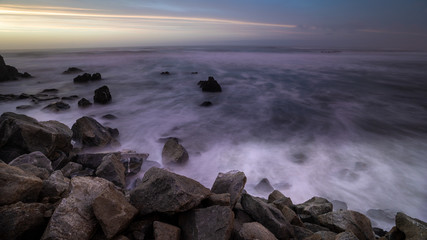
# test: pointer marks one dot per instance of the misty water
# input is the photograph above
(348, 126)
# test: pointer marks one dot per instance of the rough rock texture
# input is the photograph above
(37, 159)
(112, 169)
(57, 106)
(17, 137)
(325, 235)
(255, 230)
(164, 231)
(84, 78)
(413, 228)
(55, 186)
(351, 221)
(312, 208)
(211, 85)
(279, 200)
(92, 160)
(90, 133)
(71, 168)
(16, 185)
(291, 216)
(33, 170)
(394, 234)
(268, 216)
(346, 236)
(232, 182)
(302, 233)
(132, 161)
(74, 217)
(222, 199)
(102, 95)
(166, 192)
(84, 103)
(23, 220)
(173, 152)
(113, 212)
(214, 223)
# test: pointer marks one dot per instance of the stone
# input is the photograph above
(16, 185)
(346, 236)
(102, 95)
(215, 222)
(315, 228)
(92, 160)
(33, 170)
(8, 73)
(90, 133)
(23, 220)
(302, 233)
(96, 77)
(232, 182)
(74, 217)
(240, 217)
(133, 161)
(164, 231)
(72, 70)
(268, 216)
(55, 186)
(71, 168)
(413, 228)
(83, 103)
(206, 104)
(84, 78)
(109, 116)
(379, 232)
(255, 230)
(347, 220)
(222, 199)
(37, 159)
(173, 152)
(112, 169)
(291, 216)
(325, 235)
(264, 186)
(310, 209)
(166, 192)
(211, 85)
(17, 137)
(165, 73)
(57, 106)
(113, 212)
(395, 234)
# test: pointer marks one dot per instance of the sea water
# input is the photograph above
(348, 126)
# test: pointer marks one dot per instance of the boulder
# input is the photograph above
(20, 134)
(222, 199)
(315, 228)
(268, 216)
(394, 234)
(90, 133)
(10, 73)
(211, 85)
(309, 210)
(96, 77)
(215, 222)
(33, 170)
(112, 169)
(413, 228)
(71, 168)
(351, 221)
(264, 186)
(84, 78)
(72, 70)
(302, 233)
(255, 230)
(279, 200)
(173, 152)
(291, 216)
(92, 160)
(133, 161)
(102, 95)
(346, 236)
(55, 186)
(164, 231)
(23, 220)
(16, 185)
(82, 103)
(325, 235)
(113, 212)
(74, 217)
(232, 182)
(166, 192)
(57, 106)
(37, 159)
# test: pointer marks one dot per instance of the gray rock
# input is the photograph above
(325, 235)
(302, 233)
(166, 192)
(37, 159)
(222, 199)
(232, 182)
(89, 133)
(164, 231)
(215, 222)
(413, 228)
(16, 185)
(264, 186)
(112, 169)
(309, 210)
(346, 236)
(41, 173)
(102, 95)
(55, 186)
(173, 152)
(339, 205)
(71, 168)
(255, 230)
(291, 216)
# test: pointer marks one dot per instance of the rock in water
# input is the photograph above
(90, 133)
(72, 70)
(173, 152)
(84, 103)
(232, 182)
(57, 106)
(102, 95)
(166, 192)
(413, 228)
(20, 134)
(112, 169)
(166, 231)
(133, 161)
(10, 73)
(211, 85)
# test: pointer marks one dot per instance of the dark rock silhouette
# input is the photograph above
(102, 95)
(72, 70)
(8, 72)
(211, 85)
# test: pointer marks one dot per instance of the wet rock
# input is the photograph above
(72, 97)
(232, 182)
(50, 90)
(112, 169)
(379, 232)
(89, 133)
(211, 85)
(96, 77)
(166, 192)
(113, 212)
(36, 158)
(55, 186)
(71, 168)
(351, 221)
(346, 236)
(82, 103)
(166, 231)
(72, 70)
(194, 73)
(23, 220)
(222, 199)
(264, 186)
(309, 210)
(8, 73)
(17, 185)
(413, 228)
(17, 136)
(8, 97)
(255, 230)
(102, 95)
(25, 107)
(173, 152)
(279, 200)
(206, 104)
(214, 223)
(33, 170)
(132, 161)
(84, 78)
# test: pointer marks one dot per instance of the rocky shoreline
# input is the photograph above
(53, 188)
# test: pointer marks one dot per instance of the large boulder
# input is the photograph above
(255, 230)
(232, 182)
(90, 133)
(16, 185)
(211, 85)
(74, 217)
(413, 228)
(112, 169)
(37, 159)
(214, 223)
(166, 192)
(20, 134)
(309, 210)
(55, 186)
(71, 168)
(166, 231)
(352, 221)
(102, 95)
(173, 152)
(9, 72)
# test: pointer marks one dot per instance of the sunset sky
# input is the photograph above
(378, 24)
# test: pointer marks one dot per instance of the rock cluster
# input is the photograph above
(86, 77)
(8, 72)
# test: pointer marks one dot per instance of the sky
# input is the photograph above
(359, 24)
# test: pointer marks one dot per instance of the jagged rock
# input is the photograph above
(72, 70)
(133, 161)
(379, 232)
(255, 230)
(23, 220)
(16, 185)
(37, 159)
(215, 222)
(82, 103)
(74, 217)
(17, 137)
(10, 73)
(291, 216)
(222, 199)
(346, 236)
(264, 186)
(71, 168)
(57, 106)
(211, 85)
(84, 78)
(173, 152)
(55, 186)
(309, 210)
(102, 95)
(413, 228)
(268, 216)
(90, 133)
(113, 212)
(166, 231)
(112, 169)
(279, 200)
(166, 192)
(352, 221)
(232, 182)
(33, 170)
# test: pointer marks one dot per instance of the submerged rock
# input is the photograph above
(255, 230)
(86, 77)
(84, 103)
(90, 133)
(173, 152)
(72, 70)
(57, 106)
(102, 95)
(211, 85)
(206, 104)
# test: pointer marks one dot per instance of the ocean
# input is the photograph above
(348, 126)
